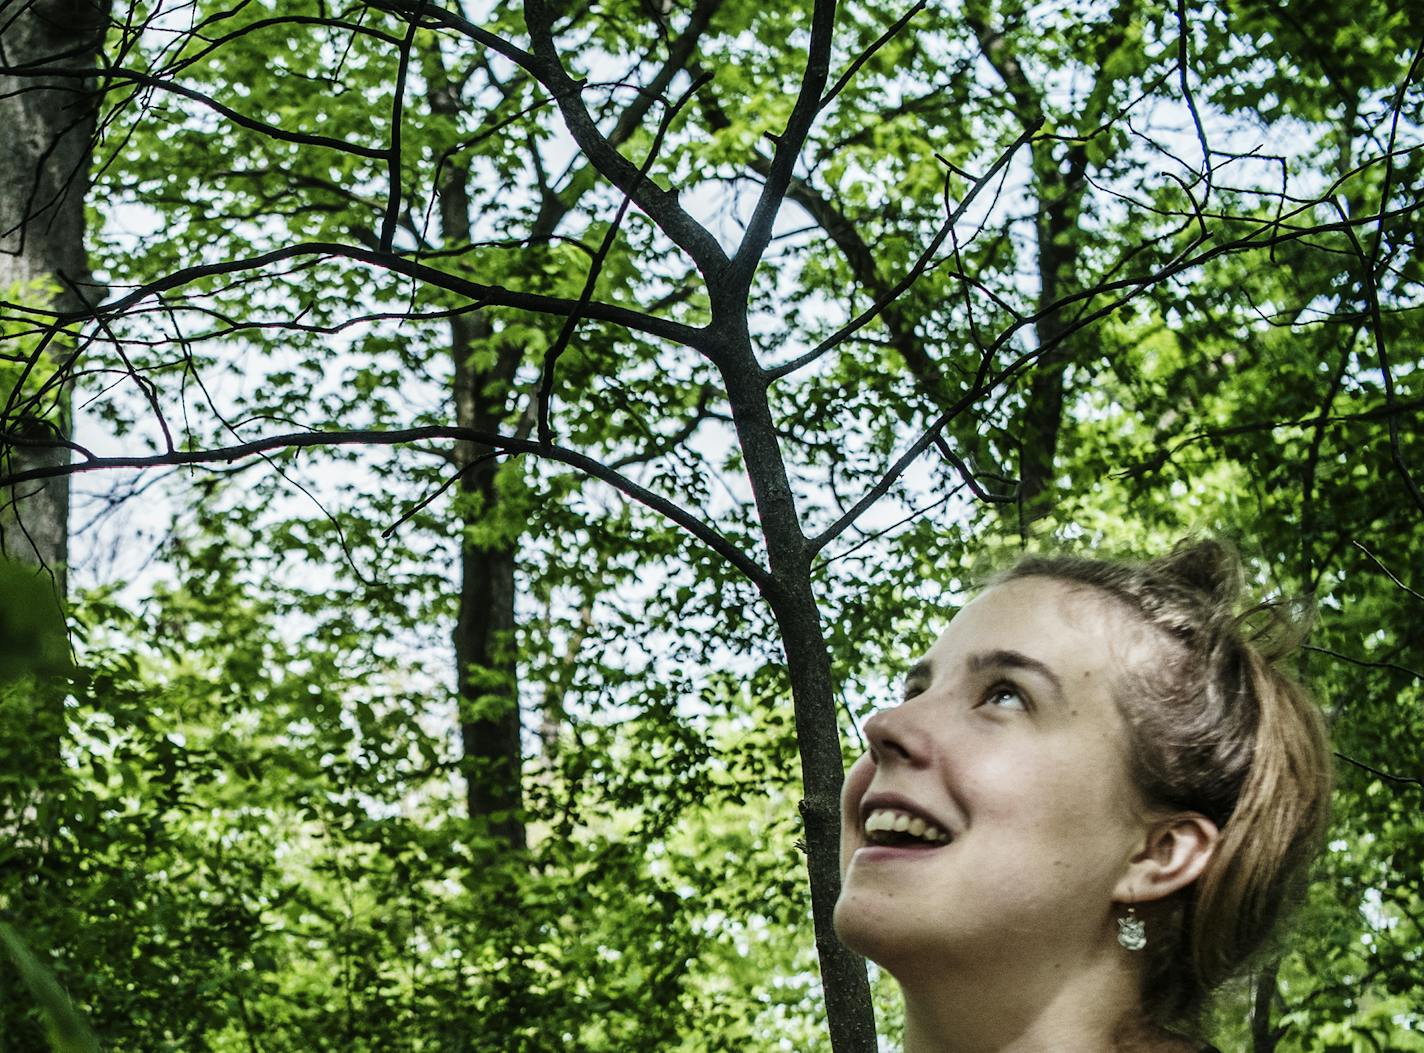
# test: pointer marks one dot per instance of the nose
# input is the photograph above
(896, 736)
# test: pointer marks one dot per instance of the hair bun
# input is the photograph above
(1205, 566)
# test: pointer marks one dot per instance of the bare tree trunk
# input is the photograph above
(1060, 199)
(850, 1018)
(44, 176)
(485, 656)
(1263, 1036)
(487, 674)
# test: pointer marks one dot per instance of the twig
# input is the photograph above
(1387, 572)
(895, 291)
(1377, 324)
(967, 475)
(395, 437)
(1363, 662)
(865, 56)
(1388, 182)
(1408, 780)
(428, 498)
(551, 357)
(406, 267)
(393, 160)
(1185, 82)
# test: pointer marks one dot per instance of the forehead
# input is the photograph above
(1083, 635)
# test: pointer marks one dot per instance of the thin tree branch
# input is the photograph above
(394, 437)
(661, 205)
(453, 20)
(1407, 780)
(1388, 183)
(393, 161)
(494, 295)
(967, 474)
(788, 149)
(148, 80)
(1184, 80)
(1316, 422)
(865, 56)
(895, 291)
(1364, 663)
(1377, 325)
(1389, 573)
(551, 357)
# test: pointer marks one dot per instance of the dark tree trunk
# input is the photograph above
(843, 976)
(487, 676)
(1263, 1036)
(48, 129)
(1059, 187)
(1060, 199)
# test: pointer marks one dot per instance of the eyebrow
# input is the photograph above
(1003, 659)
(919, 671)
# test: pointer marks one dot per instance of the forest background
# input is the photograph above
(470, 468)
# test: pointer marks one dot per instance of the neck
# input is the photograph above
(1092, 1008)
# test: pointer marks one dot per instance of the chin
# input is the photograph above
(870, 929)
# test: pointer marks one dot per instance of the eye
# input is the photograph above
(1005, 696)
(913, 686)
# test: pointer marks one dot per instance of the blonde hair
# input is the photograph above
(1217, 727)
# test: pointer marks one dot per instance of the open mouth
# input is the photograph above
(893, 828)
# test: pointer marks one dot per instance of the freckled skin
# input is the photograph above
(1028, 771)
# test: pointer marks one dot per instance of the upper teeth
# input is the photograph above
(893, 820)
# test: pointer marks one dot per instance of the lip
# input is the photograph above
(894, 853)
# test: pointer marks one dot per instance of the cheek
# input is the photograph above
(1073, 813)
(1047, 794)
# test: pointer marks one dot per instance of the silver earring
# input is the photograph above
(1132, 931)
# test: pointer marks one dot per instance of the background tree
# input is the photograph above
(44, 171)
(1050, 270)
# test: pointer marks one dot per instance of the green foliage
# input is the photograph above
(244, 826)
(33, 641)
(65, 1028)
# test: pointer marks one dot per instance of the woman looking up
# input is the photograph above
(1087, 811)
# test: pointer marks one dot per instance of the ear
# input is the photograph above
(1175, 851)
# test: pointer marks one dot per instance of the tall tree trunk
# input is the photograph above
(1263, 1036)
(1059, 187)
(484, 628)
(48, 127)
(487, 676)
(1060, 200)
(850, 1018)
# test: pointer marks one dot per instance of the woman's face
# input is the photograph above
(1010, 750)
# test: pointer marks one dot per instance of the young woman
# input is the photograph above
(1087, 811)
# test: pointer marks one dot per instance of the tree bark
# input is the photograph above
(44, 177)
(850, 1018)
(1263, 1036)
(487, 674)
(1060, 200)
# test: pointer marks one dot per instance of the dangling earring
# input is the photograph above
(1132, 931)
